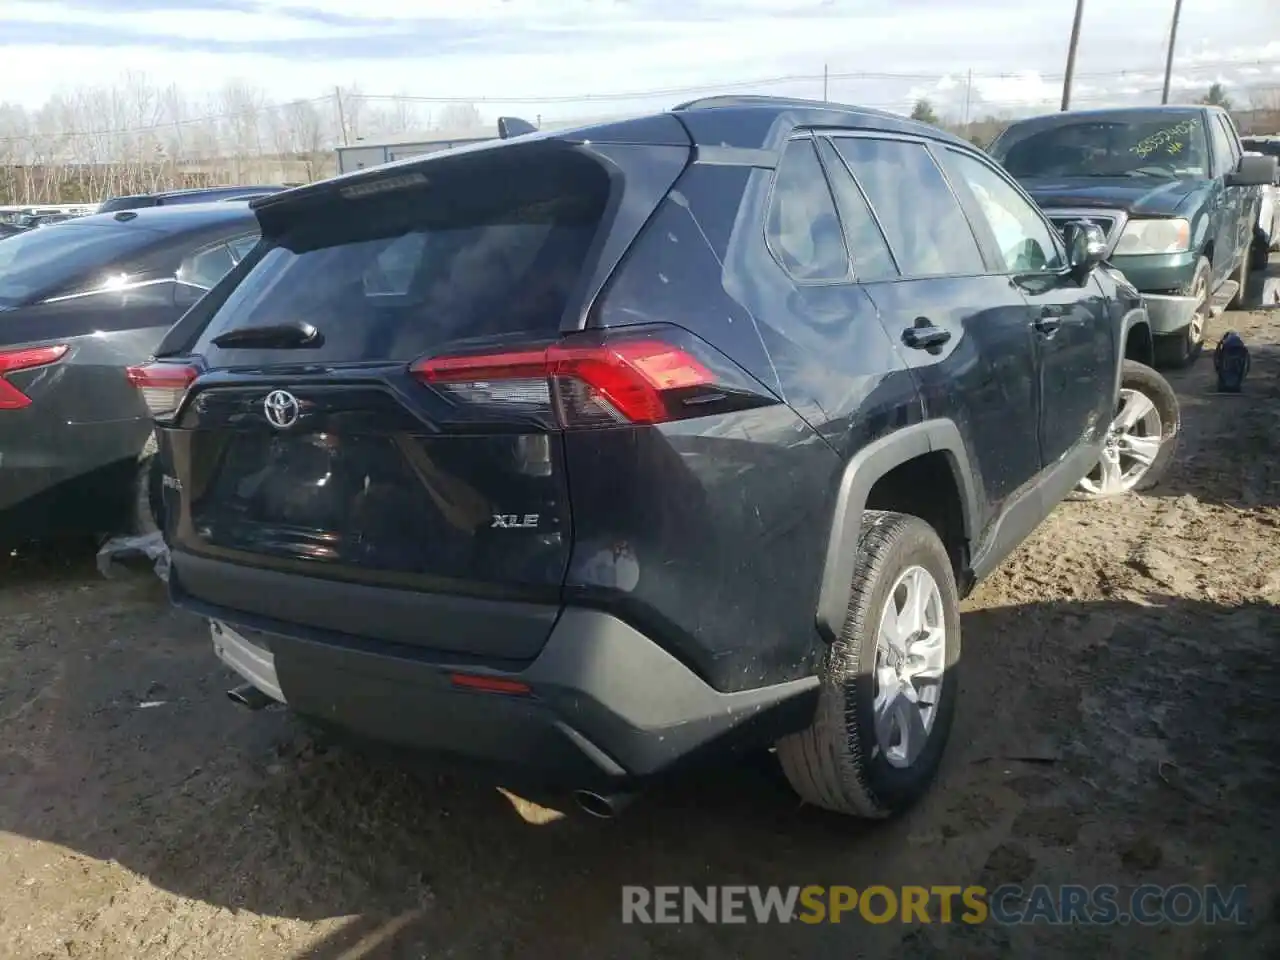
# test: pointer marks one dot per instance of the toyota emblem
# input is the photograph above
(282, 409)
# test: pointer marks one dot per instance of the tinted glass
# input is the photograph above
(802, 229)
(1222, 146)
(1139, 144)
(39, 261)
(867, 245)
(491, 247)
(241, 246)
(1025, 241)
(1234, 151)
(207, 267)
(922, 218)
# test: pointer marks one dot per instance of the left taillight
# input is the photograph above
(28, 358)
(162, 385)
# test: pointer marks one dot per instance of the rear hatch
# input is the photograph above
(371, 493)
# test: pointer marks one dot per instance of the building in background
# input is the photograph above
(364, 153)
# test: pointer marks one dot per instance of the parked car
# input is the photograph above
(1267, 237)
(79, 302)
(1174, 193)
(193, 195)
(595, 453)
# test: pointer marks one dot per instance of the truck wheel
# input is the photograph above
(1182, 348)
(888, 682)
(1141, 440)
(1261, 251)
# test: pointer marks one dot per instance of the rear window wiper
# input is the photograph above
(281, 336)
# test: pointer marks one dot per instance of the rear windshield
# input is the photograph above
(34, 263)
(492, 246)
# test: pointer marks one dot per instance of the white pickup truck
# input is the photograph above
(1268, 228)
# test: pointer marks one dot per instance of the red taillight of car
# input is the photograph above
(598, 379)
(163, 385)
(28, 358)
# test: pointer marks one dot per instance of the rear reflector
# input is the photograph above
(599, 379)
(28, 358)
(163, 385)
(479, 682)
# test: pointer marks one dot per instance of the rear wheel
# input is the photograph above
(888, 683)
(1182, 348)
(1261, 252)
(1242, 277)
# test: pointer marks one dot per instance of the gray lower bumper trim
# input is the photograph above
(1169, 314)
(249, 660)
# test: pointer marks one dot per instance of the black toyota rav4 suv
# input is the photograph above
(595, 453)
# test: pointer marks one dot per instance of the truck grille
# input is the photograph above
(1107, 223)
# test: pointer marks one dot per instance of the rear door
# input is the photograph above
(1228, 202)
(1073, 332)
(310, 447)
(963, 329)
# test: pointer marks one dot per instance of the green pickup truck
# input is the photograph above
(1172, 189)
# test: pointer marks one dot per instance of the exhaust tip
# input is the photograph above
(249, 696)
(601, 806)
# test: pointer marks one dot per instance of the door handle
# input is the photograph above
(1047, 323)
(925, 336)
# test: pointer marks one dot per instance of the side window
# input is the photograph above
(1233, 143)
(922, 219)
(872, 259)
(206, 267)
(1222, 155)
(1026, 242)
(801, 227)
(241, 246)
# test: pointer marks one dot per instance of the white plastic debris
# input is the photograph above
(121, 550)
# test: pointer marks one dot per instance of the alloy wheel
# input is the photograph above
(910, 661)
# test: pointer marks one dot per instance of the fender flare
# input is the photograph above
(862, 471)
(1137, 317)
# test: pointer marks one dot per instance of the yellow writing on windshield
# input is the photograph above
(1169, 138)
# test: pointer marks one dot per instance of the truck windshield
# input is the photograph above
(1171, 146)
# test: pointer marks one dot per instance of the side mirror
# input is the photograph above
(1254, 171)
(1086, 244)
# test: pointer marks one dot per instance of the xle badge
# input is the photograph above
(513, 521)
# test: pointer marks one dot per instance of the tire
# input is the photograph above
(1138, 378)
(1260, 252)
(838, 763)
(1182, 348)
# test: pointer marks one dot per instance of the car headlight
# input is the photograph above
(1155, 236)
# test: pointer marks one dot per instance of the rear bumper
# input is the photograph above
(606, 708)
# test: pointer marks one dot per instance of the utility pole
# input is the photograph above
(1173, 39)
(342, 120)
(824, 83)
(968, 97)
(1071, 56)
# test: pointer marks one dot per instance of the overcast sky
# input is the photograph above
(558, 51)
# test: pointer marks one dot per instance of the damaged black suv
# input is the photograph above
(594, 453)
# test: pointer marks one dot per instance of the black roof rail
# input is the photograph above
(749, 100)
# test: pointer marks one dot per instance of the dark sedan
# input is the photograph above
(79, 302)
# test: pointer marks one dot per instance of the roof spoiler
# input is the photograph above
(509, 127)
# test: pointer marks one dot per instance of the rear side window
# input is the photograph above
(802, 229)
(206, 267)
(492, 246)
(925, 225)
(49, 260)
(871, 257)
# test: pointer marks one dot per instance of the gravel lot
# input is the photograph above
(1116, 725)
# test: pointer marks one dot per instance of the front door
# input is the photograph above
(1070, 319)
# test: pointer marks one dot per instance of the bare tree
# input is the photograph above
(459, 116)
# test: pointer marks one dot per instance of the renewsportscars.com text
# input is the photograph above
(1009, 904)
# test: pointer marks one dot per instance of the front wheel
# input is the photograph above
(1141, 438)
(888, 682)
(1182, 348)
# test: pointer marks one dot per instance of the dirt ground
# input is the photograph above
(1117, 724)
